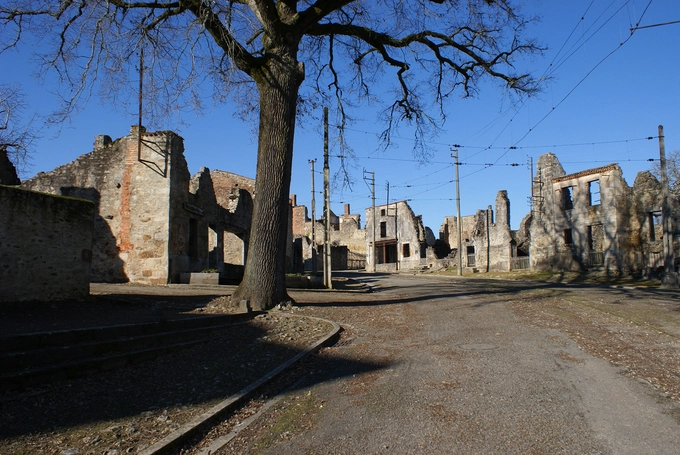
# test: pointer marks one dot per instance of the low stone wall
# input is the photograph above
(45, 246)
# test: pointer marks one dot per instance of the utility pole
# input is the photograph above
(668, 253)
(141, 100)
(371, 254)
(531, 172)
(460, 227)
(327, 281)
(313, 219)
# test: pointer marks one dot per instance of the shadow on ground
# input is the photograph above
(201, 375)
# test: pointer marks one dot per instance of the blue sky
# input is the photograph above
(592, 113)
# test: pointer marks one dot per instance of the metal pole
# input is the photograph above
(314, 265)
(327, 205)
(460, 227)
(668, 253)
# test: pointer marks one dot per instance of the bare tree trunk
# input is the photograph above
(264, 280)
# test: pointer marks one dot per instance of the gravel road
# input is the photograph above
(425, 365)
(440, 365)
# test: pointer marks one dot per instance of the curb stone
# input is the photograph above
(189, 429)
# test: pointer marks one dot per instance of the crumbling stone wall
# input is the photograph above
(138, 229)
(486, 243)
(234, 194)
(593, 218)
(348, 240)
(45, 246)
(543, 249)
(154, 221)
(400, 238)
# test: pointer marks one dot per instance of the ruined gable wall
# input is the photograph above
(98, 177)
(132, 232)
(144, 236)
(543, 251)
(45, 246)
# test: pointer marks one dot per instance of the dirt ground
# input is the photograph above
(126, 410)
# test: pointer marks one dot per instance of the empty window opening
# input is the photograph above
(193, 238)
(406, 250)
(382, 212)
(654, 223)
(383, 229)
(594, 192)
(567, 198)
(568, 240)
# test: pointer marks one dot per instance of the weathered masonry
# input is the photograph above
(45, 246)
(487, 243)
(348, 240)
(401, 240)
(593, 219)
(153, 221)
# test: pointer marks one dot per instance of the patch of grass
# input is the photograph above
(295, 417)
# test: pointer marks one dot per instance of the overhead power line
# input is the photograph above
(640, 27)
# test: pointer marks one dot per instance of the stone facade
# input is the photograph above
(401, 240)
(486, 243)
(45, 246)
(348, 240)
(593, 219)
(154, 221)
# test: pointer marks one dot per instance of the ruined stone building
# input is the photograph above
(153, 221)
(487, 243)
(348, 240)
(594, 219)
(401, 240)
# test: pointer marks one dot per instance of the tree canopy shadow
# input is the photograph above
(201, 375)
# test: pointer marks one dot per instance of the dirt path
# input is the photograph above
(424, 365)
(449, 366)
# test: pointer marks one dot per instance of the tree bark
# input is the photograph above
(264, 280)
